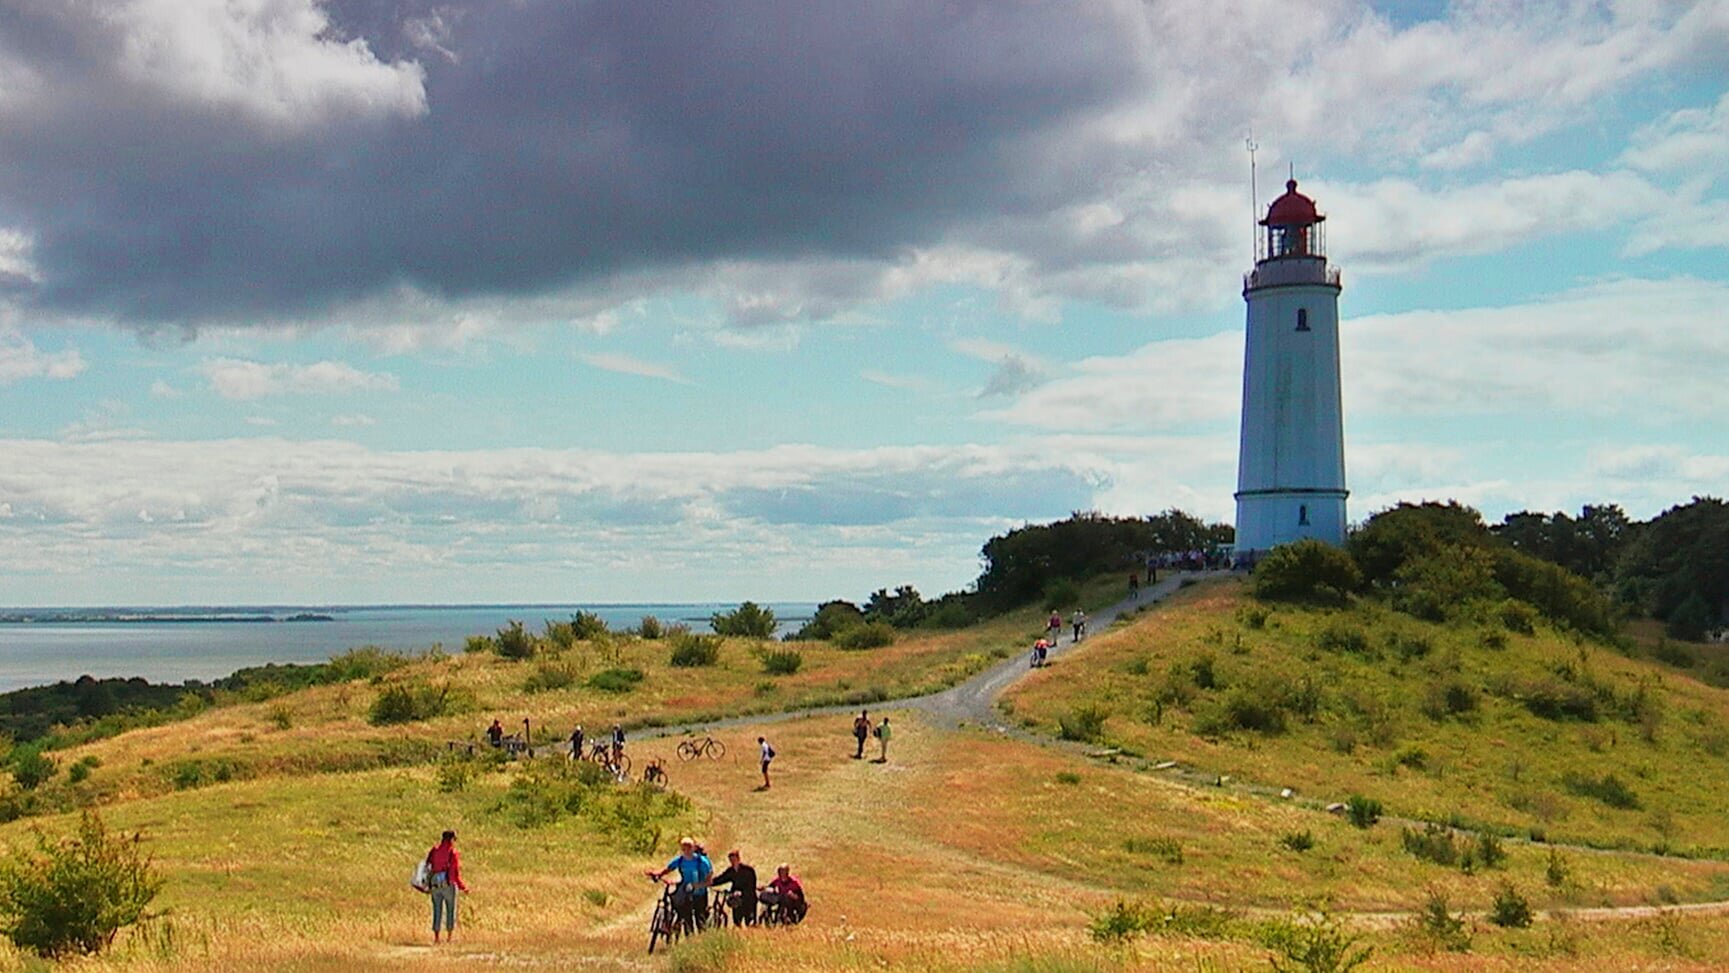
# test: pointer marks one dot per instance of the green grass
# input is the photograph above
(1549, 734)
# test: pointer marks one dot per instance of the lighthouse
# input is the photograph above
(1291, 464)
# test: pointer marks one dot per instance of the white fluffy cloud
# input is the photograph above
(21, 359)
(234, 378)
(629, 365)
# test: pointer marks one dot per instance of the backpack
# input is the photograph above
(422, 880)
(877, 731)
(771, 753)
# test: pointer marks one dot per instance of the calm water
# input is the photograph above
(36, 653)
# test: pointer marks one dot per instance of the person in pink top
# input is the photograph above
(785, 895)
(446, 878)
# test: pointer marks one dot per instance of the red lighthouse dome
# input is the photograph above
(1292, 209)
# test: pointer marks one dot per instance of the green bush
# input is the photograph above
(1489, 851)
(1307, 570)
(748, 620)
(587, 626)
(831, 618)
(73, 896)
(781, 662)
(1609, 789)
(1061, 594)
(617, 680)
(77, 773)
(1313, 944)
(1510, 909)
(1362, 811)
(1518, 617)
(409, 704)
(1298, 841)
(31, 768)
(1432, 844)
(632, 818)
(1437, 923)
(1339, 636)
(695, 651)
(513, 642)
(1166, 849)
(870, 635)
(1083, 723)
(650, 628)
(478, 643)
(1124, 920)
(549, 677)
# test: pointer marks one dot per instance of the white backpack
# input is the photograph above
(422, 880)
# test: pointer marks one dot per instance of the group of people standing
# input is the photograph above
(745, 898)
(1077, 622)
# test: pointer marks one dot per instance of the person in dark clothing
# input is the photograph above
(495, 734)
(861, 729)
(741, 900)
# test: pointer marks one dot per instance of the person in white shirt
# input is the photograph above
(767, 755)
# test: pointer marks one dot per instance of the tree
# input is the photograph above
(1307, 569)
(748, 620)
(831, 618)
(75, 895)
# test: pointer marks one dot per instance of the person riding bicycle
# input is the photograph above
(741, 881)
(690, 897)
(785, 895)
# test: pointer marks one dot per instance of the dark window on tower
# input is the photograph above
(1302, 319)
(1303, 515)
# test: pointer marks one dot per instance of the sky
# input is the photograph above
(362, 301)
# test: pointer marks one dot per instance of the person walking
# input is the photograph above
(882, 734)
(1080, 623)
(767, 753)
(444, 880)
(1054, 627)
(741, 899)
(576, 738)
(1134, 586)
(861, 730)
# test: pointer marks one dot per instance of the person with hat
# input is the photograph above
(690, 899)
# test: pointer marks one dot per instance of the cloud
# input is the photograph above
(21, 359)
(162, 390)
(357, 420)
(428, 166)
(238, 379)
(1693, 140)
(627, 365)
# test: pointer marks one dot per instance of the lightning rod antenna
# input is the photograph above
(1254, 195)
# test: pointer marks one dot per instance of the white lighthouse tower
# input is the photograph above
(1291, 468)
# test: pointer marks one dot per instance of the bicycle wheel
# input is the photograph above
(716, 749)
(659, 927)
(624, 764)
(687, 750)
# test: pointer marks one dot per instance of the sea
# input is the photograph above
(40, 646)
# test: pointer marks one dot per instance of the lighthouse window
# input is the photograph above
(1303, 515)
(1302, 319)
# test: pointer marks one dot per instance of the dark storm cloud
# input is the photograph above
(514, 148)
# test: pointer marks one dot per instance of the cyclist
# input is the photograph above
(785, 895)
(690, 898)
(741, 898)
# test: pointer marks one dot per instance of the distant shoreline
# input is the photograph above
(102, 618)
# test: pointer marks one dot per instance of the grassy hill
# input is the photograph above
(290, 845)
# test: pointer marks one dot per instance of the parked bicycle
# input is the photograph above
(706, 747)
(654, 774)
(618, 764)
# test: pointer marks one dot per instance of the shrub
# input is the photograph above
(405, 704)
(280, 717)
(1307, 570)
(587, 626)
(1083, 723)
(748, 620)
(695, 651)
(1510, 909)
(649, 628)
(1437, 923)
(1489, 851)
(781, 662)
(1298, 841)
(1068, 778)
(32, 768)
(549, 676)
(1553, 699)
(1555, 872)
(78, 773)
(1518, 617)
(615, 680)
(1061, 594)
(630, 818)
(1451, 697)
(1432, 844)
(477, 643)
(456, 771)
(1609, 789)
(831, 618)
(870, 635)
(1124, 920)
(1313, 944)
(1165, 849)
(513, 642)
(1344, 637)
(1362, 811)
(76, 894)
(1120, 922)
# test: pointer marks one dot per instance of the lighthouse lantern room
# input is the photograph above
(1291, 463)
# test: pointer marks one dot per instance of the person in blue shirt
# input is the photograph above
(690, 898)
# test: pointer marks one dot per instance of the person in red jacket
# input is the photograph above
(446, 878)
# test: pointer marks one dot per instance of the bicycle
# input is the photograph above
(709, 747)
(664, 925)
(654, 774)
(618, 765)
